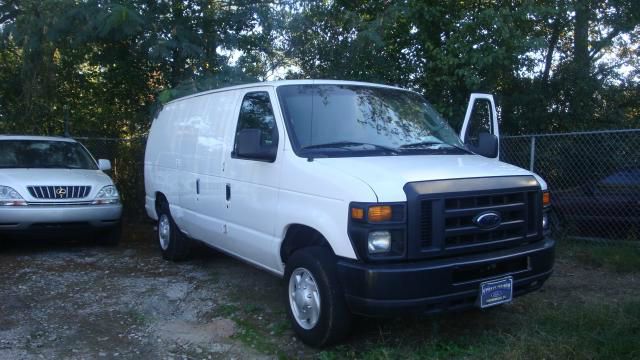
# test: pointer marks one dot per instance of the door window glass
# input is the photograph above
(256, 113)
(479, 121)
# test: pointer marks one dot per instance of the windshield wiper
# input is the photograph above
(348, 144)
(55, 167)
(422, 144)
(428, 144)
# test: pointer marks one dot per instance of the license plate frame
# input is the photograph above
(495, 292)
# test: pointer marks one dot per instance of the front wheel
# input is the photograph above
(316, 305)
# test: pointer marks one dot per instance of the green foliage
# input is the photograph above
(448, 49)
(554, 65)
(107, 62)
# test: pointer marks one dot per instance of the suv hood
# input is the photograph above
(387, 175)
(19, 179)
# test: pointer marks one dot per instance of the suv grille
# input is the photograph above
(59, 192)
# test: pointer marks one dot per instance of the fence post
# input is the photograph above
(532, 152)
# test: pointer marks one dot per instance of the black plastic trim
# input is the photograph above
(428, 286)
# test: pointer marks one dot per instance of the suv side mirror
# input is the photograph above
(487, 145)
(249, 146)
(104, 164)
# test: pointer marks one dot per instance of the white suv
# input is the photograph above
(360, 195)
(49, 184)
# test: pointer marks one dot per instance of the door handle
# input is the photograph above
(228, 192)
(198, 186)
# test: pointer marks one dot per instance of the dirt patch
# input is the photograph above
(78, 300)
(200, 334)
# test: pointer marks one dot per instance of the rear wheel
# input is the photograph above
(316, 305)
(174, 245)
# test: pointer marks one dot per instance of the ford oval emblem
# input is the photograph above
(488, 220)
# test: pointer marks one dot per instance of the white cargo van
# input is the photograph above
(360, 195)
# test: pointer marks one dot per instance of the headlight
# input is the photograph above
(107, 195)
(10, 197)
(379, 242)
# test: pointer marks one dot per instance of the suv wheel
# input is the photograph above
(174, 245)
(316, 305)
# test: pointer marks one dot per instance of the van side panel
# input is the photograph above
(187, 119)
(207, 211)
(161, 160)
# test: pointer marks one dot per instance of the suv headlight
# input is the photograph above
(10, 197)
(107, 195)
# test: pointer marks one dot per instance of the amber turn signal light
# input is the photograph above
(357, 213)
(546, 198)
(379, 213)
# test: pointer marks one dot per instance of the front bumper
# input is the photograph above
(42, 217)
(437, 285)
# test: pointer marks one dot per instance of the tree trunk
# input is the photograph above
(553, 42)
(582, 85)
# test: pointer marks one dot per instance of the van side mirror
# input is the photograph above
(487, 145)
(249, 146)
(104, 164)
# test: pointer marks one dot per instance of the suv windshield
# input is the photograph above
(44, 154)
(351, 120)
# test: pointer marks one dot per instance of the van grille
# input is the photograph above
(459, 213)
(59, 192)
(442, 215)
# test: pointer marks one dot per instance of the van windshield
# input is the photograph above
(352, 120)
(44, 154)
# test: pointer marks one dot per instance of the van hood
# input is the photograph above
(19, 179)
(387, 175)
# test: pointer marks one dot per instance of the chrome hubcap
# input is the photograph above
(304, 298)
(164, 231)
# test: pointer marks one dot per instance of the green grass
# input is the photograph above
(544, 331)
(256, 337)
(620, 259)
(553, 323)
(252, 333)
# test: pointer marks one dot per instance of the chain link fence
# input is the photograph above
(594, 178)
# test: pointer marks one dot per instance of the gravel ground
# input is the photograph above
(78, 300)
(65, 299)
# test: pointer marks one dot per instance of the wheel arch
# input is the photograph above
(159, 199)
(298, 236)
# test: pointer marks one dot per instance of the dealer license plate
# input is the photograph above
(496, 292)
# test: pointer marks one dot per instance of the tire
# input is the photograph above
(311, 281)
(4, 242)
(173, 244)
(111, 237)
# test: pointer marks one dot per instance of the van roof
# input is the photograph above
(33, 137)
(287, 82)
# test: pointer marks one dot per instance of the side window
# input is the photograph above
(256, 122)
(479, 122)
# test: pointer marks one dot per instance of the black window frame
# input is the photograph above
(276, 132)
